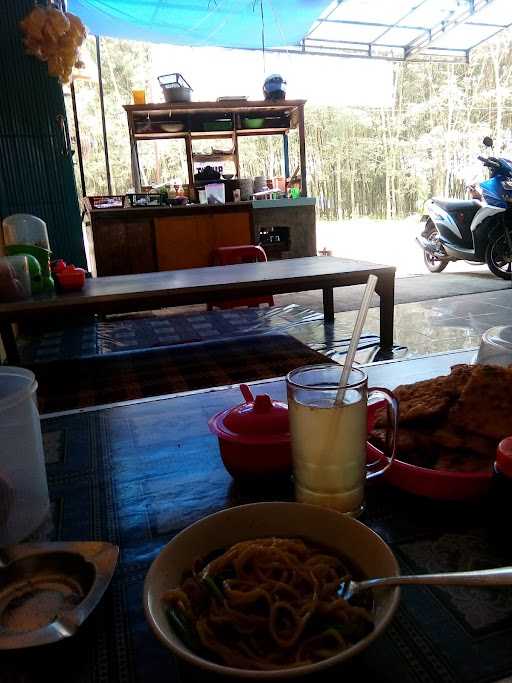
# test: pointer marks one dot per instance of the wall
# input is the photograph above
(36, 172)
(302, 223)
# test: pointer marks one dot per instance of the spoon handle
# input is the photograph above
(502, 576)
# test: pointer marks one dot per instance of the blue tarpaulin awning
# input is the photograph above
(438, 30)
(222, 23)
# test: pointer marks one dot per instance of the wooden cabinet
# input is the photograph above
(124, 247)
(188, 241)
(231, 229)
(129, 241)
(182, 242)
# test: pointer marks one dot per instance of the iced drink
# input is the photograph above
(329, 451)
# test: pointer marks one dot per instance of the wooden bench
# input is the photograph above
(148, 291)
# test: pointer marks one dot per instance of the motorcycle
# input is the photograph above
(476, 230)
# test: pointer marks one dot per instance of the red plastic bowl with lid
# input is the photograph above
(69, 277)
(254, 437)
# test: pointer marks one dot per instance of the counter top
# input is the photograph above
(282, 203)
(163, 211)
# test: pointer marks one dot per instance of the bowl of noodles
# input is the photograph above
(251, 591)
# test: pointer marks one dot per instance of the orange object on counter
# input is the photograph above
(139, 96)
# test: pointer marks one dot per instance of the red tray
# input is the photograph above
(423, 481)
(436, 484)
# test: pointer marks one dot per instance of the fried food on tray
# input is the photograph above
(448, 436)
(461, 461)
(452, 422)
(485, 404)
(407, 440)
(426, 400)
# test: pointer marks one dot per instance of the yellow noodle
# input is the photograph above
(278, 607)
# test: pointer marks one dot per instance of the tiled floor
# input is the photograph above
(424, 327)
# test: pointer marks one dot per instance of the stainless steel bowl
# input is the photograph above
(47, 590)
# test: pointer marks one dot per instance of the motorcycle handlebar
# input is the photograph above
(489, 162)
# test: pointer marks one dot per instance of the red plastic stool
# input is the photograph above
(247, 253)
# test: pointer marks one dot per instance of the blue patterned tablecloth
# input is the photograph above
(138, 474)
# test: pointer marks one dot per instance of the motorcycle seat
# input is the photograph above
(457, 204)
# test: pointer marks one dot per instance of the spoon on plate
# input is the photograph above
(501, 576)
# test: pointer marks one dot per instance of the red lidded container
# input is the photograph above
(254, 437)
(503, 464)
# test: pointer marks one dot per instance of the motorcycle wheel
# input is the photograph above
(498, 257)
(434, 264)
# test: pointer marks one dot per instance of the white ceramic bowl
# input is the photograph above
(351, 538)
(172, 127)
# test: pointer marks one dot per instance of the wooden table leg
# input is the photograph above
(9, 342)
(386, 290)
(328, 305)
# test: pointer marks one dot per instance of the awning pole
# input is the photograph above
(286, 156)
(102, 106)
(78, 140)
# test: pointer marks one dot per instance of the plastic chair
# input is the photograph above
(228, 256)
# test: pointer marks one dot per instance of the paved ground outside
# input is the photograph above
(389, 242)
(434, 311)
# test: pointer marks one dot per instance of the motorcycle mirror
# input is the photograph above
(488, 142)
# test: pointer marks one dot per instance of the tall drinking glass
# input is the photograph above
(329, 438)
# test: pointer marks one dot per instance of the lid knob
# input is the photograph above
(262, 403)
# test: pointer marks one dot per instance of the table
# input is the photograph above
(137, 474)
(147, 291)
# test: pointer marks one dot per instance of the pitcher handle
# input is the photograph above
(392, 429)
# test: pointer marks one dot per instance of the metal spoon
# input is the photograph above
(502, 576)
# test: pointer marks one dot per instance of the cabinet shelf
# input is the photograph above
(213, 157)
(279, 117)
(209, 135)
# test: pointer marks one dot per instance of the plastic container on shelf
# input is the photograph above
(215, 193)
(23, 228)
(14, 278)
(279, 183)
(20, 265)
(24, 502)
(175, 88)
(260, 184)
(246, 188)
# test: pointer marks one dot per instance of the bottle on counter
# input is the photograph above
(501, 486)
(497, 504)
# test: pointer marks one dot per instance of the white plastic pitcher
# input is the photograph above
(24, 501)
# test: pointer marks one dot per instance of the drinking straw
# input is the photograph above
(356, 335)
